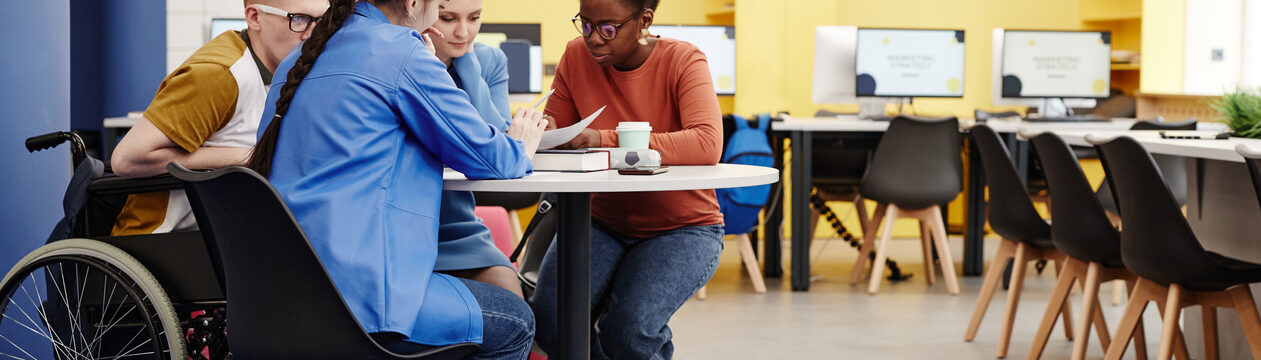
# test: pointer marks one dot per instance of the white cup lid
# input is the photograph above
(634, 125)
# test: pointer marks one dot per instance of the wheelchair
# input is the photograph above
(88, 295)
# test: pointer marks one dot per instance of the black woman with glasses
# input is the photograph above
(205, 114)
(649, 251)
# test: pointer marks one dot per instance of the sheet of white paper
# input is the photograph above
(558, 137)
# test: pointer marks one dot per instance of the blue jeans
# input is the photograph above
(636, 286)
(507, 326)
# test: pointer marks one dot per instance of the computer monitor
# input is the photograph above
(833, 81)
(1056, 64)
(909, 63)
(718, 43)
(219, 25)
(523, 45)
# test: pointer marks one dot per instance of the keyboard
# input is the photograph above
(1074, 118)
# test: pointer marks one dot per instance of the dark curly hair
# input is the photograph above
(642, 4)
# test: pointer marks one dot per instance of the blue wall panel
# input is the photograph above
(35, 96)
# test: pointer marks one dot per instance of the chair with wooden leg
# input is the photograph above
(1082, 230)
(1026, 236)
(915, 169)
(1175, 271)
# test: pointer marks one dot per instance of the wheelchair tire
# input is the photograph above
(132, 318)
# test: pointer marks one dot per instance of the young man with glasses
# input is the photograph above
(206, 112)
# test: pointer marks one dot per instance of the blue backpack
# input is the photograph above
(748, 146)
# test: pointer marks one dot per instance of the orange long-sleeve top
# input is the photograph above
(673, 92)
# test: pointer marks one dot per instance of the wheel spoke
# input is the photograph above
(15, 346)
(65, 300)
(133, 338)
(60, 347)
(15, 357)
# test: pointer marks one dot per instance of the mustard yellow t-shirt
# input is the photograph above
(215, 98)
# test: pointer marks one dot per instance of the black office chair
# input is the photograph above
(1159, 246)
(915, 169)
(283, 304)
(1082, 230)
(1174, 168)
(1026, 237)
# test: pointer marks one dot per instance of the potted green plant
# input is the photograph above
(1242, 110)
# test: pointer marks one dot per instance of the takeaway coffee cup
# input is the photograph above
(633, 134)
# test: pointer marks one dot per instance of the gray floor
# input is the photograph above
(908, 320)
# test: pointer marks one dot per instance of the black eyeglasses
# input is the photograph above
(606, 31)
(297, 22)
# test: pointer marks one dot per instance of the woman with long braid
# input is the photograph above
(360, 121)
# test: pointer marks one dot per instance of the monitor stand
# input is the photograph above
(873, 108)
(1053, 108)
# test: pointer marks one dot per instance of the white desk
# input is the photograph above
(1223, 150)
(854, 124)
(800, 128)
(574, 225)
(1221, 208)
(677, 178)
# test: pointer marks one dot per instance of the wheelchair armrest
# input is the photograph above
(117, 185)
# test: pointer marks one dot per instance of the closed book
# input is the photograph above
(583, 160)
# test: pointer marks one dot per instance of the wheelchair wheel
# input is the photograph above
(85, 299)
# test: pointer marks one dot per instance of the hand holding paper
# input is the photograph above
(558, 137)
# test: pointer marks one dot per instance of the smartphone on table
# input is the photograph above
(643, 171)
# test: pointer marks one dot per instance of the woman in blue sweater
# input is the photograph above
(465, 248)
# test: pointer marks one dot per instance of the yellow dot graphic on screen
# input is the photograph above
(1099, 86)
(953, 85)
(1033, 43)
(954, 40)
(885, 41)
(724, 82)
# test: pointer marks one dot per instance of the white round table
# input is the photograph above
(573, 230)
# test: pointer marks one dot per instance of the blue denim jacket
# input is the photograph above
(359, 162)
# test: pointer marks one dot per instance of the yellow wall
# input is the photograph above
(775, 43)
(1164, 31)
(554, 17)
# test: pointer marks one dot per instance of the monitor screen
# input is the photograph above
(218, 26)
(909, 63)
(718, 43)
(523, 45)
(833, 78)
(1056, 64)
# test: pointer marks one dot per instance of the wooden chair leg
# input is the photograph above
(925, 241)
(1059, 298)
(1140, 336)
(869, 242)
(750, 263)
(1209, 315)
(1118, 292)
(1172, 311)
(1013, 297)
(1006, 250)
(1246, 308)
(1101, 327)
(1067, 310)
(860, 207)
(943, 250)
(1090, 300)
(1130, 320)
(514, 222)
(882, 248)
